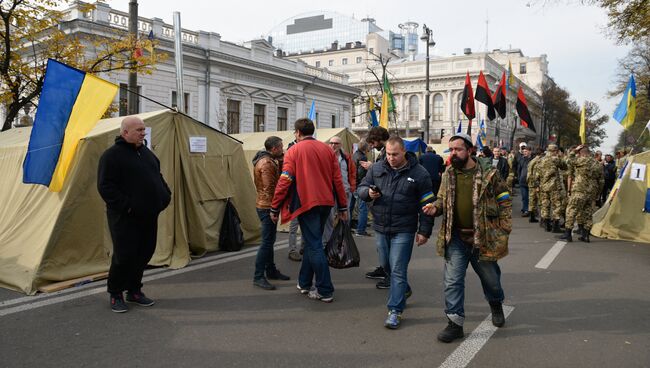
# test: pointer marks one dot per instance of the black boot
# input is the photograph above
(451, 332)
(548, 226)
(556, 227)
(498, 319)
(542, 222)
(567, 236)
(584, 234)
(532, 217)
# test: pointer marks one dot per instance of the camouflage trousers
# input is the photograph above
(580, 209)
(533, 199)
(555, 200)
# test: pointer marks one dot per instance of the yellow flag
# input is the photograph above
(583, 126)
(383, 118)
(511, 78)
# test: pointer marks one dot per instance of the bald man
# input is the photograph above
(130, 182)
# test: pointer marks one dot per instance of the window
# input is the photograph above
(414, 108)
(344, 61)
(233, 117)
(522, 68)
(333, 121)
(124, 104)
(258, 118)
(186, 103)
(318, 64)
(330, 63)
(283, 113)
(438, 107)
(359, 59)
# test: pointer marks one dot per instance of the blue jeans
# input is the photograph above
(362, 222)
(524, 198)
(457, 256)
(394, 256)
(314, 262)
(264, 260)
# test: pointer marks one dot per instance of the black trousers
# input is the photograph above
(134, 242)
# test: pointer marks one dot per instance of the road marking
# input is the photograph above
(549, 257)
(466, 351)
(42, 300)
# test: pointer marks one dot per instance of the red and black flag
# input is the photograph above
(499, 97)
(484, 95)
(467, 104)
(522, 111)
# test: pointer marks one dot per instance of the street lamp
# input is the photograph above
(426, 37)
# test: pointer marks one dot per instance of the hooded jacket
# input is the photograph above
(404, 192)
(129, 180)
(266, 174)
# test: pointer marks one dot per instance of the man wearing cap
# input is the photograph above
(585, 184)
(476, 212)
(551, 189)
(524, 161)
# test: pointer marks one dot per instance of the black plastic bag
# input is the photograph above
(231, 237)
(340, 249)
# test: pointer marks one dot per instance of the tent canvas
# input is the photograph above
(622, 216)
(47, 237)
(415, 145)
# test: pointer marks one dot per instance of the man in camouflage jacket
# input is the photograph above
(552, 193)
(533, 187)
(585, 184)
(476, 212)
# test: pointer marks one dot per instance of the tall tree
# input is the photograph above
(560, 115)
(30, 34)
(595, 130)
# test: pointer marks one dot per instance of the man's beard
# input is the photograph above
(458, 163)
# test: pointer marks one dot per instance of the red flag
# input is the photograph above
(467, 103)
(522, 111)
(499, 97)
(484, 95)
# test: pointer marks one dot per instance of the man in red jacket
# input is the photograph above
(309, 173)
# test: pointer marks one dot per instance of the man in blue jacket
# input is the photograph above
(435, 165)
(399, 187)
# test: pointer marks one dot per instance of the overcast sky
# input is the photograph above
(581, 58)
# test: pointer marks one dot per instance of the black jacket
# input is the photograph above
(434, 165)
(361, 172)
(404, 192)
(609, 171)
(129, 180)
(523, 170)
(503, 168)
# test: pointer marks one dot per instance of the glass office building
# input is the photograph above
(317, 31)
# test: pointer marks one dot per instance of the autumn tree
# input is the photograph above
(594, 121)
(560, 114)
(30, 33)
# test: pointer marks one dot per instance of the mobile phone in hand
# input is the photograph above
(375, 189)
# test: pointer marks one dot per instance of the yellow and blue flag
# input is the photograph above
(71, 103)
(373, 112)
(626, 110)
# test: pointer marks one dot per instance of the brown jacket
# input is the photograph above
(267, 173)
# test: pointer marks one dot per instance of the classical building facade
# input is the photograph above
(234, 88)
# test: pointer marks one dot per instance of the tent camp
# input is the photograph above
(47, 237)
(254, 142)
(623, 217)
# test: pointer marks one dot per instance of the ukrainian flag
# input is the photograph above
(626, 110)
(71, 103)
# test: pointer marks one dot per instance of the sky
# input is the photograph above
(582, 59)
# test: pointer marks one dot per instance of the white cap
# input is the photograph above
(522, 144)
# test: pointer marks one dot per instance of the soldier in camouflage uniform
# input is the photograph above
(476, 212)
(510, 181)
(533, 186)
(552, 193)
(586, 181)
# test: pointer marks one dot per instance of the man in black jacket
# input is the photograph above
(130, 182)
(399, 187)
(435, 166)
(500, 163)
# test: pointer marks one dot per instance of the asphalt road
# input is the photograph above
(589, 308)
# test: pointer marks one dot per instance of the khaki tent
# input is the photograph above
(254, 142)
(47, 237)
(622, 216)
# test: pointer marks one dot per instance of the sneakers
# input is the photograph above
(139, 298)
(117, 303)
(498, 319)
(313, 294)
(451, 332)
(393, 320)
(276, 275)
(295, 256)
(377, 274)
(383, 283)
(263, 283)
(302, 290)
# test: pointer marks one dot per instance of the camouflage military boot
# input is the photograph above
(548, 226)
(556, 227)
(532, 217)
(584, 234)
(567, 236)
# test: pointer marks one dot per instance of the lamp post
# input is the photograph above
(426, 37)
